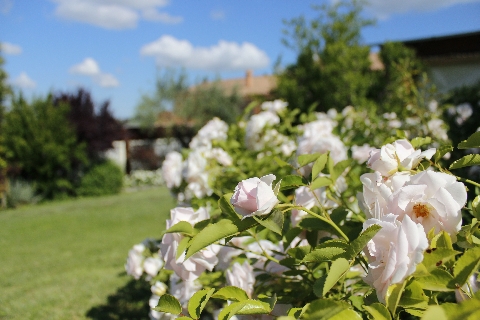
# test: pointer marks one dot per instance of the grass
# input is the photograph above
(64, 259)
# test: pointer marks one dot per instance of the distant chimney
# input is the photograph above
(248, 78)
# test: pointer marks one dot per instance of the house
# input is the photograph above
(452, 60)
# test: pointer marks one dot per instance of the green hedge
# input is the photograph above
(103, 179)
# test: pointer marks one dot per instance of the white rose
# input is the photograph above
(254, 196)
(319, 128)
(195, 173)
(306, 198)
(172, 169)
(361, 153)
(394, 252)
(221, 156)
(134, 265)
(274, 106)
(377, 191)
(321, 144)
(434, 199)
(397, 155)
(183, 290)
(241, 275)
(214, 130)
(159, 288)
(191, 268)
(254, 128)
(152, 265)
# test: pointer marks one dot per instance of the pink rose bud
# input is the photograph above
(254, 196)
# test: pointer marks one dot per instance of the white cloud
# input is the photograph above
(89, 67)
(217, 15)
(384, 8)
(10, 48)
(23, 81)
(225, 56)
(113, 14)
(152, 14)
(106, 80)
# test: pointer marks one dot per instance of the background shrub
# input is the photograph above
(103, 179)
(21, 192)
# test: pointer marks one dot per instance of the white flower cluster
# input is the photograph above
(141, 260)
(259, 131)
(194, 171)
(407, 205)
(143, 178)
(318, 137)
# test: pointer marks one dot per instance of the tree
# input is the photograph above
(194, 105)
(95, 127)
(402, 80)
(5, 90)
(170, 89)
(42, 147)
(206, 101)
(333, 67)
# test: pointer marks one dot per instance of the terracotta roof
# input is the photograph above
(167, 119)
(250, 85)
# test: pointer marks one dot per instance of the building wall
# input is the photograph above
(449, 76)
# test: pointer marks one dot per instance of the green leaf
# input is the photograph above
(438, 280)
(401, 134)
(413, 297)
(393, 296)
(476, 207)
(472, 142)
(442, 240)
(181, 227)
(251, 306)
(359, 243)
(168, 304)
(319, 165)
(466, 265)
(347, 314)
(182, 246)
(229, 311)
(324, 309)
(443, 150)
(339, 168)
(378, 311)
(292, 182)
(337, 271)
(183, 318)
(231, 293)
(432, 258)
(299, 252)
(324, 254)
(197, 302)
(435, 312)
(320, 182)
(305, 159)
(419, 141)
(227, 208)
(211, 234)
(273, 222)
(295, 312)
(466, 161)
(281, 162)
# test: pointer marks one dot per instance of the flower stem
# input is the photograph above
(329, 221)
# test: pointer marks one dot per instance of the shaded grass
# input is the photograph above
(59, 260)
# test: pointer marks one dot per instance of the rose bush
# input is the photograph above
(321, 234)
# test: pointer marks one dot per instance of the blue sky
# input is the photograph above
(114, 48)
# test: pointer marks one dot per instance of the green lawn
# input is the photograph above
(65, 260)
